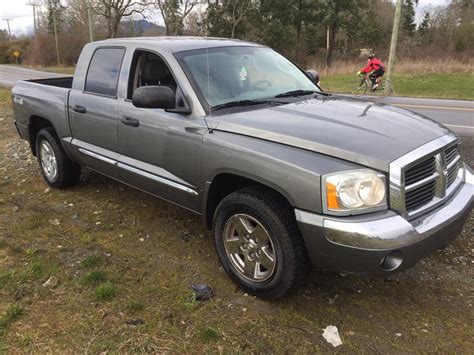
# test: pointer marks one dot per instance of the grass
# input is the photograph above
(12, 314)
(443, 86)
(208, 334)
(92, 261)
(105, 292)
(134, 307)
(94, 278)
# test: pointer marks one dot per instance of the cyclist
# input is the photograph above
(376, 68)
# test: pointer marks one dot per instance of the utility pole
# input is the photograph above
(89, 19)
(8, 25)
(53, 14)
(393, 44)
(32, 4)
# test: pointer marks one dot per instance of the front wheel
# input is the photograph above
(359, 87)
(258, 243)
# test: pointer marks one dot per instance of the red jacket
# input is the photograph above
(372, 65)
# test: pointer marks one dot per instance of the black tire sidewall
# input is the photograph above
(283, 276)
(44, 135)
(68, 172)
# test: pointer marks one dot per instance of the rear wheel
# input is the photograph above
(385, 89)
(58, 170)
(359, 87)
(258, 243)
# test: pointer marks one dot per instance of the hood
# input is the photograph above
(363, 132)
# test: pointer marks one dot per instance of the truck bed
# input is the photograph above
(62, 82)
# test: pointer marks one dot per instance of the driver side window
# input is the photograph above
(149, 69)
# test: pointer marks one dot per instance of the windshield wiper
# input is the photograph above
(296, 93)
(241, 103)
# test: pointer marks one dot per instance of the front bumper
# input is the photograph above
(383, 242)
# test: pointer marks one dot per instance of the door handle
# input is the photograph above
(130, 121)
(79, 109)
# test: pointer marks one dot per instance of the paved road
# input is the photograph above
(458, 115)
(10, 74)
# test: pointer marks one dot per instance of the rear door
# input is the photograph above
(161, 152)
(93, 111)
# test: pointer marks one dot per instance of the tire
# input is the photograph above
(273, 235)
(57, 169)
(385, 90)
(359, 87)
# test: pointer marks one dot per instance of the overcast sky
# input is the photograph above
(21, 15)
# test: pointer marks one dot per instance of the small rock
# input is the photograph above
(54, 222)
(351, 333)
(52, 282)
(142, 239)
(15, 209)
(332, 300)
(202, 292)
(47, 190)
(424, 330)
(120, 235)
(2, 119)
(167, 314)
(98, 223)
(75, 216)
(71, 205)
(135, 322)
(398, 335)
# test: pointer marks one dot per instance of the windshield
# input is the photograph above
(237, 74)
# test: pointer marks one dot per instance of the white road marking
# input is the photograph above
(436, 107)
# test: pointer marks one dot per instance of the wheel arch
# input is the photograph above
(36, 124)
(224, 183)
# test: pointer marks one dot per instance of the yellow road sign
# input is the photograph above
(16, 53)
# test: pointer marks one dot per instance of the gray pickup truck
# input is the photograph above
(285, 174)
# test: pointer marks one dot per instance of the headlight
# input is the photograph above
(354, 191)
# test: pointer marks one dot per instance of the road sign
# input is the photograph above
(16, 54)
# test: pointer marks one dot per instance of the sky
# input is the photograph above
(21, 15)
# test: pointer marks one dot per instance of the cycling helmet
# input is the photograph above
(371, 56)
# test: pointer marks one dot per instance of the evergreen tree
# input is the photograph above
(408, 17)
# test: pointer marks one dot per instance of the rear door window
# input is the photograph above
(104, 70)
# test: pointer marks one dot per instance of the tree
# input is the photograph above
(224, 16)
(174, 13)
(337, 14)
(408, 23)
(112, 11)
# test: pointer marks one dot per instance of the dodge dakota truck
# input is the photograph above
(286, 175)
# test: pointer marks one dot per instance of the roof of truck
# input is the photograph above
(179, 43)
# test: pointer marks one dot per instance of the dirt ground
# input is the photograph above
(102, 267)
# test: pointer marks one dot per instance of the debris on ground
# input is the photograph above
(202, 292)
(52, 282)
(135, 322)
(331, 334)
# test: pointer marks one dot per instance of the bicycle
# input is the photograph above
(360, 86)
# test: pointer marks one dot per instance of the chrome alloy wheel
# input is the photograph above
(49, 165)
(249, 248)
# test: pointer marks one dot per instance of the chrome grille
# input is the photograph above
(425, 177)
(420, 184)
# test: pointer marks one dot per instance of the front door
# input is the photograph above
(160, 151)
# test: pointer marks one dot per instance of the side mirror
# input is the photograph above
(313, 75)
(154, 97)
